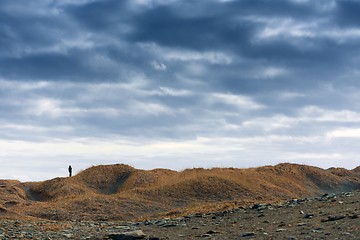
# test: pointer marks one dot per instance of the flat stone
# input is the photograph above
(67, 235)
(205, 235)
(133, 235)
(309, 215)
(122, 227)
(333, 218)
(161, 222)
(169, 225)
(248, 234)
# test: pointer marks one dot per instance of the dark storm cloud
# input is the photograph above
(115, 31)
(164, 27)
(348, 13)
(280, 8)
(46, 66)
(230, 27)
(28, 32)
(103, 16)
(224, 26)
(216, 25)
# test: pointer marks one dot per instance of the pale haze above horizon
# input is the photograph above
(177, 84)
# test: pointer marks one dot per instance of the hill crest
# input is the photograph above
(121, 192)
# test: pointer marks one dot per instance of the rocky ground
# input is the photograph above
(326, 217)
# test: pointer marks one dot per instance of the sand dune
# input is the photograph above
(121, 192)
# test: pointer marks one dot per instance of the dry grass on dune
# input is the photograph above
(93, 207)
(99, 179)
(121, 192)
(356, 170)
(55, 189)
(143, 179)
(344, 173)
(265, 183)
(105, 179)
(11, 191)
(95, 193)
(299, 180)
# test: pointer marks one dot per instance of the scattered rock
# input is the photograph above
(348, 194)
(248, 234)
(327, 197)
(309, 215)
(354, 216)
(333, 218)
(282, 224)
(205, 235)
(67, 235)
(259, 206)
(169, 225)
(289, 223)
(138, 234)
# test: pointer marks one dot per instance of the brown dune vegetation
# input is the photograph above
(121, 192)
(356, 170)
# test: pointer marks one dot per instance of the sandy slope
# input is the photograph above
(121, 192)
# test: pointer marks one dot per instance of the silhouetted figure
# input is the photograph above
(70, 171)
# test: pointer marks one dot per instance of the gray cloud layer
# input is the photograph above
(239, 83)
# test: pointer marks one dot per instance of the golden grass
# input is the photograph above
(356, 170)
(121, 192)
(55, 227)
(105, 179)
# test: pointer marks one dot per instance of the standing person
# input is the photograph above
(70, 171)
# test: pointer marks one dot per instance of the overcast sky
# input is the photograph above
(177, 84)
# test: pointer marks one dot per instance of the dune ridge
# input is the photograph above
(121, 192)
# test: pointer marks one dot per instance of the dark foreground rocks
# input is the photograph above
(327, 217)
